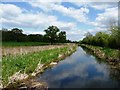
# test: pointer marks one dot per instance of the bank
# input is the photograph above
(111, 56)
(23, 68)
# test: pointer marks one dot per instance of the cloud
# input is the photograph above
(9, 11)
(77, 14)
(102, 19)
(37, 21)
(17, 18)
(102, 6)
(96, 5)
(61, 0)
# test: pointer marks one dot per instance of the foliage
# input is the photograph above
(104, 39)
(52, 35)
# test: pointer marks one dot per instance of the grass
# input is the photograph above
(110, 52)
(28, 62)
(114, 53)
(13, 44)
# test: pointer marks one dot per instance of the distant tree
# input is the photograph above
(88, 38)
(35, 38)
(62, 37)
(16, 30)
(115, 33)
(102, 39)
(52, 33)
(88, 34)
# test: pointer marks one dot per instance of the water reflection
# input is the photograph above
(114, 71)
(81, 70)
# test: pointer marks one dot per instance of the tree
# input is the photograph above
(88, 38)
(62, 37)
(115, 33)
(52, 34)
(16, 30)
(35, 38)
(102, 39)
(88, 34)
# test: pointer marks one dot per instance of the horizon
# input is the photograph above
(76, 18)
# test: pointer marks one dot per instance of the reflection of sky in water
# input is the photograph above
(78, 70)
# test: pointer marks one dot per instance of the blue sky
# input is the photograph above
(76, 18)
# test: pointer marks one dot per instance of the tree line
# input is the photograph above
(110, 39)
(52, 35)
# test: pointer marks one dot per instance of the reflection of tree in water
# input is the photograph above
(114, 69)
(114, 72)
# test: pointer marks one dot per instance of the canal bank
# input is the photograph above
(111, 56)
(52, 57)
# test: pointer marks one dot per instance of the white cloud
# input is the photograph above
(102, 20)
(11, 11)
(40, 20)
(101, 6)
(14, 16)
(97, 29)
(78, 14)
(61, 0)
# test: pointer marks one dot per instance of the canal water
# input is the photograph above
(81, 70)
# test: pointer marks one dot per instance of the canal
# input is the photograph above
(81, 70)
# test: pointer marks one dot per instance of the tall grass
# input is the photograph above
(114, 53)
(28, 62)
(13, 44)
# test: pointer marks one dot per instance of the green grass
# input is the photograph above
(114, 53)
(13, 44)
(27, 63)
(110, 52)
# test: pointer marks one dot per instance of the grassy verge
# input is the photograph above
(103, 52)
(14, 44)
(28, 62)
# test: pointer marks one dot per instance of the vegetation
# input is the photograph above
(52, 35)
(28, 62)
(105, 45)
(110, 39)
(103, 52)
(12, 44)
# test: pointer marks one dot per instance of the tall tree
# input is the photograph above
(16, 30)
(52, 33)
(62, 36)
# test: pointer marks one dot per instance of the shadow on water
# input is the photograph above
(81, 70)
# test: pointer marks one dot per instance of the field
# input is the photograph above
(26, 63)
(15, 44)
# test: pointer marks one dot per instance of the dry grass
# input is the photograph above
(26, 59)
(6, 51)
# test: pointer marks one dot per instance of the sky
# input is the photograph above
(74, 17)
